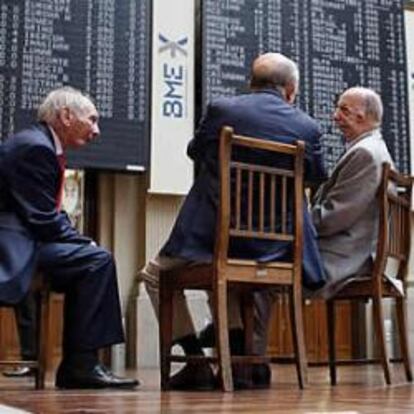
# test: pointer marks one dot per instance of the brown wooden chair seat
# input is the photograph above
(41, 291)
(394, 237)
(362, 287)
(263, 216)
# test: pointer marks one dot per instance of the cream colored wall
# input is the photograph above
(161, 213)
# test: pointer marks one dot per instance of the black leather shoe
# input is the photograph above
(97, 376)
(253, 377)
(19, 372)
(261, 376)
(194, 378)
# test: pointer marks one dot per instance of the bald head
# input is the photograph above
(359, 110)
(369, 101)
(275, 71)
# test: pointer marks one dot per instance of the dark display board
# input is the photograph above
(99, 46)
(336, 43)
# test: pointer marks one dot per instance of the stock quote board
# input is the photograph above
(336, 44)
(99, 46)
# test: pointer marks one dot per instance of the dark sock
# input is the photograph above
(237, 341)
(81, 359)
(207, 339)
(190, 344)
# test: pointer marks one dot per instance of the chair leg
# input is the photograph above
(379, 328)
(222, 333)
(165, 329)
(43, 338)
(402, 331)
(296, 316)
(330, 318)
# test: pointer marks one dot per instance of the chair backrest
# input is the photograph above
(394, 235)
(261, 192)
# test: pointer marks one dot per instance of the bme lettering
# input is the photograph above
(173, 99)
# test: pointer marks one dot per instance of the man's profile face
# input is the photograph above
(82, 128)
(349, 115)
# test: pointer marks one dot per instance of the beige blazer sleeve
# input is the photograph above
(344, 197)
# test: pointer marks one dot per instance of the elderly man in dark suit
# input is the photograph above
(35, 233)
(266, 112)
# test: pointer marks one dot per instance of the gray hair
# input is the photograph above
(64, 97)
(371, 102)
(274, 70)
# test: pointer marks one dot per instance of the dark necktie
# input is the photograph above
(62, 165)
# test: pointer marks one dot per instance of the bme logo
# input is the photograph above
(173, 76)
(173, 47)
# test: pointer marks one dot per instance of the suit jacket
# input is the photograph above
(345, 211)
(30, 179)
(263, 114)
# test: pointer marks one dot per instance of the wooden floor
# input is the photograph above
(360, 390)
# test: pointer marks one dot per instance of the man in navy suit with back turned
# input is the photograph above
(266, 112)
(35, 233)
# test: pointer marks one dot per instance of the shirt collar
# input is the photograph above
(268, 90)
(350, 144)
(56, 140)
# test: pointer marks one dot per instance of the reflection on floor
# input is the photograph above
(360, 390)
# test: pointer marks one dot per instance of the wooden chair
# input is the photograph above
(256, 202)
(41, 291)
(394, 201)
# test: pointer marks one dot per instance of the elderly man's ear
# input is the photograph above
(290, 92)
(65, 116)
(360, 117)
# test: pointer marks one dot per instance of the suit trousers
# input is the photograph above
(183, 324)
(25, 313)
(86, 274)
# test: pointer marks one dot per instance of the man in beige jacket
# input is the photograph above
(345, 210)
